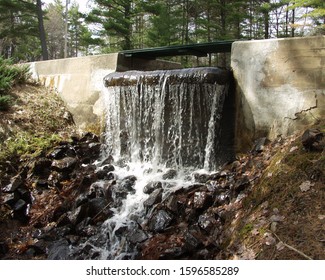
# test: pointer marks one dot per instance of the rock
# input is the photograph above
(201, 177)
(41, 167)
(241, 184)
(202, 200)
(159, 221)
(154, 198)
(89, 137)
(10, 199)
(172, 204)
(97, 206)
(104, 173)
(311, 137)
(59, 250)
(137, 236)
(170, 174)
(191, 242)
(19, 205)
(77, 215)
(41, 184)
(54, 179)
(207, 222)
(222, 199)
(66, 150)
(260, 145)
(150, 187)
(24, 194)
(66, 164)
(4, 248)
(15, 183)
(107, 160)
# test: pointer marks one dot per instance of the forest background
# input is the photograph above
(31, 30)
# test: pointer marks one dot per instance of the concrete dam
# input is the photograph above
(280, 84)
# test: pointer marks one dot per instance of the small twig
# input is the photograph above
(292, 248)
(101, 211)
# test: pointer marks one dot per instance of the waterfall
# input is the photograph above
(169, 118)
(160, 127)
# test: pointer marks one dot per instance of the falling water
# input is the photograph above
(169, 118)
(156, 121)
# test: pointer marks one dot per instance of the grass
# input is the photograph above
(278, 192)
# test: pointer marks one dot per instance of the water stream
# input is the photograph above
(160, 127)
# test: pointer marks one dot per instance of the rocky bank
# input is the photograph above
(267, 204)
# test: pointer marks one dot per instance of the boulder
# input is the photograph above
(160, 220)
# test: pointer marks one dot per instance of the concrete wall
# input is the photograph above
(79, 81)
(280, 85)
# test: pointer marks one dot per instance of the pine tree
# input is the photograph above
(21, 23)
(115, 18)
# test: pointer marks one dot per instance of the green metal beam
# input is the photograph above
(200, 50)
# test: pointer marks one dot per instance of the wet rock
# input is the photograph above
(55, 178)
(191, 242)
(108, 160)
(170, 174)
(159, 221)
(15, 183)
(66, 164)
(171, 203)
(207, 222)
(310, 138)
(10, 199)
(154, 198)
(202, 200)
(97, 206)
(94, 148)
(81, 199)
(201, 177)
(150, 187)
(19, 205)
(41, 184)
(89, 137)
(104, 173)
(77, 215)
(222, 199)
(41, 167)
(121, 231)
(59, 250)
(137, 236)
(39, 247)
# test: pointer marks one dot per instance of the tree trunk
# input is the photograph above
(41, 30)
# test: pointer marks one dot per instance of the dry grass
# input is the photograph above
(278, 194)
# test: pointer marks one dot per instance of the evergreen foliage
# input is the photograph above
(114, 25)
(10, 75)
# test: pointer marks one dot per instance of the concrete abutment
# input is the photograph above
(280, 84)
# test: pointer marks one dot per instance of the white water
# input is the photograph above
(153, 126)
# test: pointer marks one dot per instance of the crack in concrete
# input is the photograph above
(304, 110)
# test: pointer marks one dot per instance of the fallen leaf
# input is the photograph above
(269, 239)
(305, 186)
(276, 218)
(293, 149)
(280, 246)
(321, 217)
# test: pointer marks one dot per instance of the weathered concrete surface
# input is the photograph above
(280, 83)
(79, 81)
